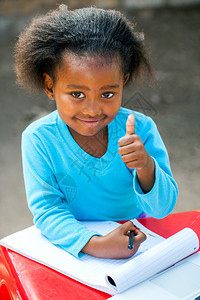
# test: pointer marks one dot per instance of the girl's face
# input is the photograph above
(88, 92)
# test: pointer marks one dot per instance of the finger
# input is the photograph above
(127, 140)
(127, 227)
(135, 164)
(137, 239)
(123, 150)
(130, 125)
(140, 237)
(130, 157)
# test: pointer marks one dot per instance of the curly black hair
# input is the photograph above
(87, 31)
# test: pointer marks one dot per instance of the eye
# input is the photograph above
(107, 95)
(78, 95)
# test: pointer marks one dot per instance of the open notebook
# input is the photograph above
(109, 275)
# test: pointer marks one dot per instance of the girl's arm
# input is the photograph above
(52, 214)
(46, 201)
(143, 151)
(115, 244)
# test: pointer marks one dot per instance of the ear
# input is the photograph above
(48, 86)
(126, 78)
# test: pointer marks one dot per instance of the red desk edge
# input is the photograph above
(22, 278)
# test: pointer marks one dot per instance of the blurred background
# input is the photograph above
(171, 35)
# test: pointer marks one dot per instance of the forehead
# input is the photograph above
(74, 65)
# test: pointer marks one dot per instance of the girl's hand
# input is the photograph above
(135, 156)
(131, 147)
(115, 243)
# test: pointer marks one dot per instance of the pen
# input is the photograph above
(130, 245)
(146, 233)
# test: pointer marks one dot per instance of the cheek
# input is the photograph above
(116, 104)
(66, 104)
(113, 109)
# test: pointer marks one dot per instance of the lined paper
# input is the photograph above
(154, 260)
(95, 271)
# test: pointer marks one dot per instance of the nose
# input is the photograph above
(92, 108)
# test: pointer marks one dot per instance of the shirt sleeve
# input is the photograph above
(46, 201)
(161, 199)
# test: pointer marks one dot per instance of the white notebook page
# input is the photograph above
(154, 260)
(88, 270)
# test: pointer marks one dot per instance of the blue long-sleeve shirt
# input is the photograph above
(64, 184)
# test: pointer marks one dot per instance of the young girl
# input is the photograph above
(90, 159)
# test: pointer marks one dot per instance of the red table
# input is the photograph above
(22, 278)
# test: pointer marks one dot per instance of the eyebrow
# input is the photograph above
(75, 86)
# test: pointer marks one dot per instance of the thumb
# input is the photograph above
(130, 125)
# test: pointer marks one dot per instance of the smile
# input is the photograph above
(91, 122)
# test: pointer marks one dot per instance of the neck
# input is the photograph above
(95, 145)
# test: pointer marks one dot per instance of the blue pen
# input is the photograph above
(130, 245)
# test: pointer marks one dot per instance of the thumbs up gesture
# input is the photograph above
(135, 156)
(130, 125)
(131, 147)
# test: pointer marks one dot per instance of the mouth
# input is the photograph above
(91, 122)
